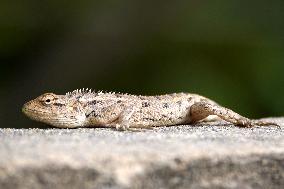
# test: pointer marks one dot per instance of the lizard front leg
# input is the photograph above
(118, 117)
(201, 110)
(122, 122)
(112, 116)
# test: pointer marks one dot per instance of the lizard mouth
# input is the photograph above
(50, 119)
(31, 112)
(28, 111)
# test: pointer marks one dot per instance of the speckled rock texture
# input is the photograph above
(208, 155)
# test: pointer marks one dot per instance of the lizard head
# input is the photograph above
(55, 110)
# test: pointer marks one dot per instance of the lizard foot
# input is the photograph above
(133, 129)
(121, 127)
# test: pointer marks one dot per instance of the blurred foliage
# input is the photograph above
(230, 51)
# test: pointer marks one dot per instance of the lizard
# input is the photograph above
(87, 108)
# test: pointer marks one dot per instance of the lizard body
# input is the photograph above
(84, 108)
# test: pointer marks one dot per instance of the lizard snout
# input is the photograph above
(25, 107)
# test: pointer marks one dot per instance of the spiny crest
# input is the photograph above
(80, 92)
(101, 92)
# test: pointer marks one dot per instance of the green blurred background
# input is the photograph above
(230, 51)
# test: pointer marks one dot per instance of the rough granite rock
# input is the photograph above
(211, 155)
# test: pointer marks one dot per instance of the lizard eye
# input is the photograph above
(47, 99)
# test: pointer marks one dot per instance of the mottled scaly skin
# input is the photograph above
(84, 108)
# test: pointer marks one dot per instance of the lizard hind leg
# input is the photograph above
(201, 110)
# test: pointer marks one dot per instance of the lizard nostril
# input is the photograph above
(24, 108)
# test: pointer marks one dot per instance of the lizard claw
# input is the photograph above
(121, 127)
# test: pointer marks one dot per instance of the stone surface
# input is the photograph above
(210, 155)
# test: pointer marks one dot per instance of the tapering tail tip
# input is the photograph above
(266, 123)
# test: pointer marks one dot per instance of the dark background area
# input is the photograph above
(230, 51)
